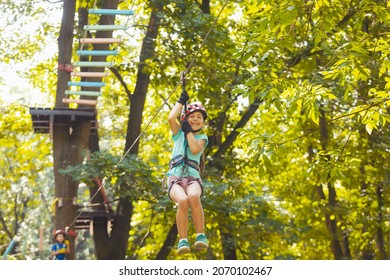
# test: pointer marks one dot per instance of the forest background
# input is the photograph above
(298, 96)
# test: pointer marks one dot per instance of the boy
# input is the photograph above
(61, 246)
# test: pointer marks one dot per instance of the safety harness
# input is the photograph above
(180, 159)
(184, 162)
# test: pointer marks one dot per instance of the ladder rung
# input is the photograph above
(104, 27)
(110, 12)
(91, 74)
(93, 64)
(97, 52)
(83, 92)
(100, 40)
(87, 84)
(80, 101)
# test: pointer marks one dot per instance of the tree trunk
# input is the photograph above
(102, 241)
(234, 134)
(205, 6)
(380, 242)
(65, 49)
(367, 253)
(137, 100)
(169, 243)
(330, 214)
(227, 240)
(67, 145)
(115, 248)
(228, 243)
(373, 140)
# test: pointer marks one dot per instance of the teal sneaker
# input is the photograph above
(201, 242)
(183, 247)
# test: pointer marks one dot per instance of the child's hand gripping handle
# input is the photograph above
(184, 97)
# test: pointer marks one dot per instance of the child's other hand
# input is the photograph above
(186, 127)
(61, 251)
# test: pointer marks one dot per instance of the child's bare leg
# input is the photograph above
(194, 191)
(178, 195)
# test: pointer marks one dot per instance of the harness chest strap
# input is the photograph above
(179, 159)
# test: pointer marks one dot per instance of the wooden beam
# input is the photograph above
(80, 101)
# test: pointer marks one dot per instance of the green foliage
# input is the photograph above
(319, 71)
(124, 177)
(26, 183)
(321, 91)
(19, 38)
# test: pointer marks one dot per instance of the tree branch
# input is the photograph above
(308, 51)
(5, 228)
(334, 119)
(123, 83)
(234, 134)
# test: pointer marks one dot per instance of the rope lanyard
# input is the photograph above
(185, 156)
(183, 88)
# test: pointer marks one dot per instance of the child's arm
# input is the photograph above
(172, 118)
(196, 146)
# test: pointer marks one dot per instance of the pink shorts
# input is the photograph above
(183, 182)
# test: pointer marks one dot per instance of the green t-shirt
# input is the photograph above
(179, 148)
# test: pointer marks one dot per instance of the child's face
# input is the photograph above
(60, 238)
(195, 120)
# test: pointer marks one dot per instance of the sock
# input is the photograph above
(200, 233)
(183, 239)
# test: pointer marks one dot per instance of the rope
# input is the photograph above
(85, 207)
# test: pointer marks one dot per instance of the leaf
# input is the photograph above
(261, 171)
(313, 114)
(273, 75)
(369, 128)
(267, 162)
